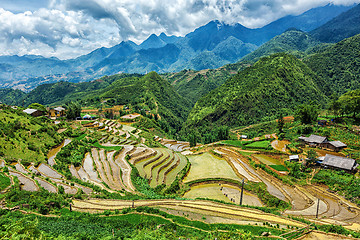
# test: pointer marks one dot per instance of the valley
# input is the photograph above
(227, 132)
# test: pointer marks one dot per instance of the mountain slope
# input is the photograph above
(149, 92)
(192, 84)
(10, 96)
(343, 26)
(308, 20)
(257, 93)
(292, 41)
(339, 65)
(209, 46)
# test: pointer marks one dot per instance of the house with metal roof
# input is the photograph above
(57, 112)
(341, 163)
(294, 158)
(33, 112)
(314, 140)
(334, 145)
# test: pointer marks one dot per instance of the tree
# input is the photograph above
(350, 102)
(37, 106)
(311, 156)
(73, 110)
(306, 113)
(280, 123)
(192, 139)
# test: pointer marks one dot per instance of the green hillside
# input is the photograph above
(25, 137)
(10, 96)
(192, 84)
(339, 65)
(257, 93)
(149, 92)
(292, 41)
(66, 91)
(340, 27)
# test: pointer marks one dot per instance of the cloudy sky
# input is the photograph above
(69, 28)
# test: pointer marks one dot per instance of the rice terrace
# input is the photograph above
(246, 183)
(179, 120)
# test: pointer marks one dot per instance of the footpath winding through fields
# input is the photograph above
(198, 206)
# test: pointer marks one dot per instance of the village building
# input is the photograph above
(319, 141)
(341, 163)
(87, 117)
(314, 140)
(33, 112)
(131, 116)
(334, 145)
(57, 112)
(294, 158)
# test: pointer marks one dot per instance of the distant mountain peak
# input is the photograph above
(152, 41)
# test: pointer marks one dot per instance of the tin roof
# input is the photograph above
(339, 162)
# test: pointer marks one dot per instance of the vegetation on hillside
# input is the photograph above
(276, 83)
(25, 137)
(338, 65)
(292, 41)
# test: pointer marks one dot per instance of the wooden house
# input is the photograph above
(340, 163)
(33, 112)
(314, 140)
(336, 146)
(57, 112)
(294, 158)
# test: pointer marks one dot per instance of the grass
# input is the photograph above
(279, 168)
(260, 144)
(236, 143)
(116, 148)
(4, 181)
(81, 137)
(207, 165)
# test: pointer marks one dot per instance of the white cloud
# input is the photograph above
(69, 28)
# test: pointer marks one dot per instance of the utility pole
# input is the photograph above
(317, 209)
(242, 192)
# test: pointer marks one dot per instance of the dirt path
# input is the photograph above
(125, 168)
(197, 206)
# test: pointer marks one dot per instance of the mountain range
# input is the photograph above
(210, 46)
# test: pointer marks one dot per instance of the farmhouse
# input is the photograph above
(314, 140)
(33, 112)
(334, 145)
(294, 158)
(341, 163)
(57, 112)
(131, 116)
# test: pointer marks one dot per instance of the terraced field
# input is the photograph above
(223, 192)
(159, 165)
(207, 165)
(177, 146)
(110, 169)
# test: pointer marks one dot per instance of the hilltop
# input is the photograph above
(258, 93)
(338, 65)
